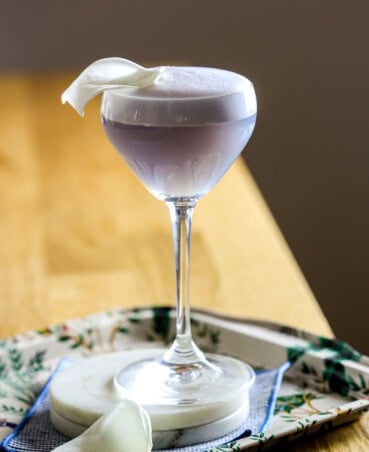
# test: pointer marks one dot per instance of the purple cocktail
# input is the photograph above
(179, 136)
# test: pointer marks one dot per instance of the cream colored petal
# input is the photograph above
(104, 74)
(126, 428)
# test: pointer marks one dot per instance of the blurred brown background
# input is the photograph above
(309, 61)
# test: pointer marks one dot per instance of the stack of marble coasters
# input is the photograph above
(79, 395)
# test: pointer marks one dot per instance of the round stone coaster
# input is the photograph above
(79, 395)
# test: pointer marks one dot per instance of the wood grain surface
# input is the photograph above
(79, 234)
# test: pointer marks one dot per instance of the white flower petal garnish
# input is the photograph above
(126, 428)
(108, 73)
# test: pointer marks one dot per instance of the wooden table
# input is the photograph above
(79, 234)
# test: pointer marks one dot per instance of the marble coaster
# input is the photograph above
(167, 438)
(78, 398)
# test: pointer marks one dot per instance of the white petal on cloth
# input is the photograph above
(104, 74)
(126, 428)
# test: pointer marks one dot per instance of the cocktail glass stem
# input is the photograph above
(183, 350)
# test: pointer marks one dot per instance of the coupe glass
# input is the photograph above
(179, 137)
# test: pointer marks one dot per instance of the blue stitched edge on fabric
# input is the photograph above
(39, 399)
(273, 396)
(280, 371)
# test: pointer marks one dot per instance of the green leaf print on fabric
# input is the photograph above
(295, 353)
(335, 375)
(161, 322)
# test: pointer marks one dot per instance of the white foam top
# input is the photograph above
(183, 95)
(193, 82)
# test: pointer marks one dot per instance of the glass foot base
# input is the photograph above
(179, 395)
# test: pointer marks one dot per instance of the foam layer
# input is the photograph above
(188, 82)
(183, 95)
